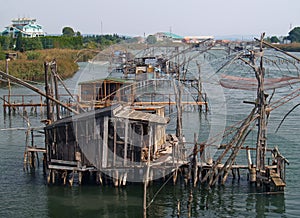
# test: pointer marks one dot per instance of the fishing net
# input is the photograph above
(243, 83)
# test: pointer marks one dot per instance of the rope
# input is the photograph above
(152, 200)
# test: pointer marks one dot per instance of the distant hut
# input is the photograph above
(105, 90)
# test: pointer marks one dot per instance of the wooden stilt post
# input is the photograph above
(105, 143)
(49, 177)
(146, 180)
(178, 208)
(116, 178)
(53, 176)
(175, 176)
(124, 179)
(80, 175)
(64, 176)
(71, 180)
(195, 160)
(115, 142)
(126, 142)
(190, 200)
(99, 178)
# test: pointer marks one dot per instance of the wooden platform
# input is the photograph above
(276, 179)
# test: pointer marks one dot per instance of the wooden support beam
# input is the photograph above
(105, 143)
(126, 142)
(115, 141)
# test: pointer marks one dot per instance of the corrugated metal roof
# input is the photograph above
(116, 110)
(127, 113)
(112, 79)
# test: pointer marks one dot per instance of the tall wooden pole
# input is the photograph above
(178, 94)
(47, 91)
(262, 123)
(199, 98)
(53, 68)
(146, 179)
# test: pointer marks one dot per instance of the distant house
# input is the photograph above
(196, 39)
(27, 26)
(161, 36)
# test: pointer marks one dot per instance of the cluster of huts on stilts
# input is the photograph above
(117, 133)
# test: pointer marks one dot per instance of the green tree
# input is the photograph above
(19, 43)
(32, 44)
(274, 39)
(151, 39)
(68, 31)
(294, 35)
(5, 42)
(47, 42)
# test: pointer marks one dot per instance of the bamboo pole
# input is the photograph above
(233, 141)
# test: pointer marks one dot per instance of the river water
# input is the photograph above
(26, 194)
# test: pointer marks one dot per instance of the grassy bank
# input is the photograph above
(293, 47)
(30, 65)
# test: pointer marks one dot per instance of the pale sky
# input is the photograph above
(136, 17)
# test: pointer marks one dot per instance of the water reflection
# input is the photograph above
(241, 199)
(94, 201)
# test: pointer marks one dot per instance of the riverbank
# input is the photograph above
(30, 65)
(293, 47)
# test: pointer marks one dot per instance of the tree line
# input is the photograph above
(69, 39)
(293, 37)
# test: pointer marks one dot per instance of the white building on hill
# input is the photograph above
(27, 26)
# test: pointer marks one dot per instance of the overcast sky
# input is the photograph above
(136, 17)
